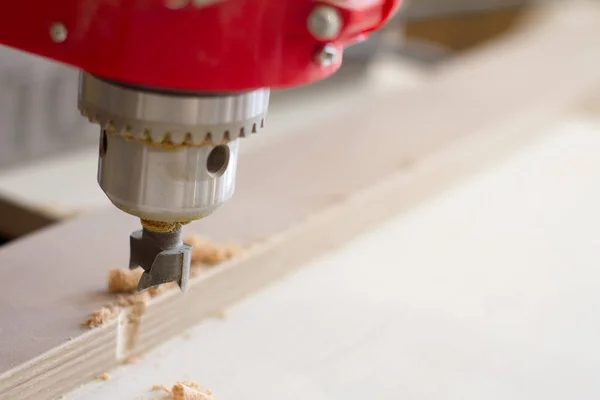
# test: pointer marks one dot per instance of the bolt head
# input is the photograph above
(58, 32)
(324, 23)
(328, 56)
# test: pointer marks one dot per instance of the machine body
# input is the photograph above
(174, 84)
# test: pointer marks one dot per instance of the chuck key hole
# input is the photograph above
(217, 161)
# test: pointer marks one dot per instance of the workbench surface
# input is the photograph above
(489, 291)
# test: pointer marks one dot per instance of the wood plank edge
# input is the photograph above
(40, 377)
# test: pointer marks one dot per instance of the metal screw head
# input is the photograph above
(328, 55)
(58, 32)
(324, 23)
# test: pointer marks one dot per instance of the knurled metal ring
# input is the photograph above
(173, 118)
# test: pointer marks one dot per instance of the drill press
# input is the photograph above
(174, 84)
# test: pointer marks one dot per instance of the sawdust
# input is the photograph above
(161, 388)
(190, 391)
(101, 317)
(137, 302)
(219, 314)
(124, 280)
(135, 312)
(207, 252)
(104, 377)
(121, 281)
(132, 299)
(132, 360)
(185, 391)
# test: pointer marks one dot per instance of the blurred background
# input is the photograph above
(40, 124)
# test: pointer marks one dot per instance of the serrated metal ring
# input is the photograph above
(174, 118)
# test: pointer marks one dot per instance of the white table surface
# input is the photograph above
(489, 291)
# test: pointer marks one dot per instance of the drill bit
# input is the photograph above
(162, 254)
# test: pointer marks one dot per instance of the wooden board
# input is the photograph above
(490, 290)
(296, 199)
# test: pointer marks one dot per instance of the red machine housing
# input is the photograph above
(230, 45)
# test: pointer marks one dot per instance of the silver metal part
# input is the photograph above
(163, 256)
(325, 23)
(58, 32)
(327, 56)
(163, 184)
(194, 119)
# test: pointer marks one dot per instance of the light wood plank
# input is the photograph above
(487, 291)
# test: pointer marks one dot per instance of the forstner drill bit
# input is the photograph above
(160, 251)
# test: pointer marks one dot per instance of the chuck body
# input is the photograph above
(158, 182)
(167, 158)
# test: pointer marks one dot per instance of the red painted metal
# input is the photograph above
(231, 45)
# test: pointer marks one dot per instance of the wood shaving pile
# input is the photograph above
(183, 391)
(161, 388)
(108, 313)
(104, 377)
(132, 299)
(207, 252)
(124, 281)
(220, 315)
(101, 317)
(132, 360)
(186, 391)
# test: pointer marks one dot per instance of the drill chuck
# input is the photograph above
(167, 158)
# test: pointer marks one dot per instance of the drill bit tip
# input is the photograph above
(163, 256)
